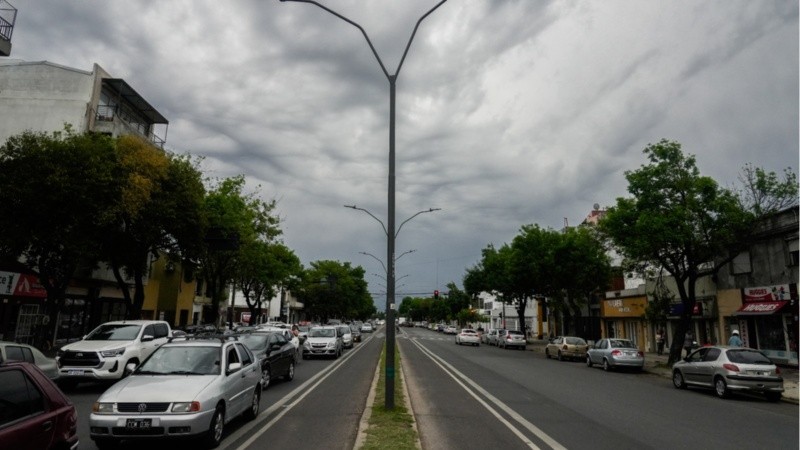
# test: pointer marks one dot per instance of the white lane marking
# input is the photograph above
(316, 380)
(521, 420)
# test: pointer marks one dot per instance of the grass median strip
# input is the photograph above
(390, 429)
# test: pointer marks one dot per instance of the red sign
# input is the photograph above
(758, 308)
(766, 294)
(29, 286)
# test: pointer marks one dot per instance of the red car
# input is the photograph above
(34, 413)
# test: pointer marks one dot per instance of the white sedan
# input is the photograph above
(468, 336)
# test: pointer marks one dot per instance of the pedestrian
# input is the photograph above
(688, 342)
(660, 341)
(735, 340)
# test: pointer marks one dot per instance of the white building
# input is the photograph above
(505, 316)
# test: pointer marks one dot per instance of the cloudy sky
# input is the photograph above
(508, 112)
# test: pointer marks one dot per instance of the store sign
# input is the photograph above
(757, 308)
(21, 285)
(245, 317)
(776, 293)
(629, 307)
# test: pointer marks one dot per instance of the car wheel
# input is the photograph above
(588, 361)
(289, 372)
(266, 378)
(606, 365)
(773, 396)
(721, 388)
(255, 404)
(214, 434)
(546, 354)
(560, 358)
(677, 380)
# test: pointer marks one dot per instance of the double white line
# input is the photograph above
(473, 389)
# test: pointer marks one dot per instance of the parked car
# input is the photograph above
(491, 337)
(366, 328)
(35, 414)
(110, 351)
(566, 347)
(275, 354)
(450, 330)
(501, 334)
(347, 336)
(615, 353)
(729, 369)
(185, 389)
(12, 351)
(323, 341)
(513, 339)
(468, 336)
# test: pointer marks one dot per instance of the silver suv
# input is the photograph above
(323, 341)
(189, 388)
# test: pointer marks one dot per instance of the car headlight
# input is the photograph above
(332, 344)
(307, 344)
(184, 407)
(112, 353)
(103, 408)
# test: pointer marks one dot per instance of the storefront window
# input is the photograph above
(770, 333)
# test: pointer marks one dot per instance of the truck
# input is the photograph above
(110, 351)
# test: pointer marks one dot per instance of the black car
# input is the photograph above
(277, 355)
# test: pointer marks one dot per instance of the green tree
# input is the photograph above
(580, 269)
(335, 290)
(56, 190)
(234, 220)
(678, 220)
(263, 268)
(158, 213)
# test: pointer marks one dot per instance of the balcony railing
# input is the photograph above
(107, 113)
(8, 16)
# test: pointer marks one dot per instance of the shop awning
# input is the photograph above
(760, 308)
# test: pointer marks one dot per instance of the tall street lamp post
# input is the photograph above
(390, 232)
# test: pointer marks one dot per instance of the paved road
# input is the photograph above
(486, 397)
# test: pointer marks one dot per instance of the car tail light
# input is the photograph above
(731, 367)
(616, 353)
(640, 353)
(777, 370)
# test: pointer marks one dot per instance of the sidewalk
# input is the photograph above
(657, 365)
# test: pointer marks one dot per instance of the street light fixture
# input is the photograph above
(390, 231)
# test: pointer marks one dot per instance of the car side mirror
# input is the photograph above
(147, 338)
(234, 367)
(129, 368)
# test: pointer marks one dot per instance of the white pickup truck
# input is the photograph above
(105, 353)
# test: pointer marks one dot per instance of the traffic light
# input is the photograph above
(436, 294)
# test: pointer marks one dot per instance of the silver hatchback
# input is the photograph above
(615, 353)
(728, 369)
(188, 388)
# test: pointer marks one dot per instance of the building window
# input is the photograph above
(741, 263)
(793, 252)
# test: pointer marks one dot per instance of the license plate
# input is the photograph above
(75, 372)
(138, 423)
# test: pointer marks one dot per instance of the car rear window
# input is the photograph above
(575, 341)
(747, 357)
(515, 332)
(622, 344)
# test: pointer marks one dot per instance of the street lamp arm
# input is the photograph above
(372, 47)
(404, 253)
(376, 259)
(408, 45)
(415, 215)
(362, 209)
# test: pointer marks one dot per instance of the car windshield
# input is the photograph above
(322, 332)
(182, 360)
(747, 357)
(117, 332)
(254, 341)
(575, 341)
(622, 344)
